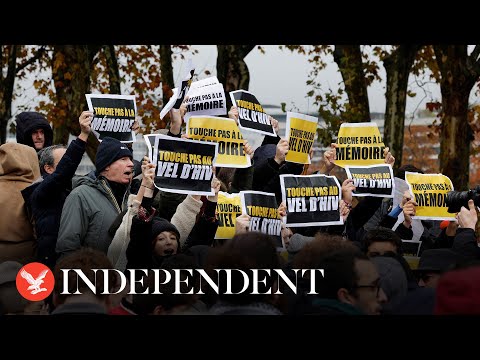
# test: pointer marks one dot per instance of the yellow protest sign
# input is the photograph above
(430, 191)
(300, 133)
(359, 144)
(223, 131)
(228, 208)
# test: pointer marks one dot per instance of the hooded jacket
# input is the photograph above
(18, 169)
(88, 213)
(28, 122)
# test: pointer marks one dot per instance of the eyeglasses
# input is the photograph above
(372, 286)
(425, 277)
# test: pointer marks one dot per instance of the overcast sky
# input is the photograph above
(280, 76)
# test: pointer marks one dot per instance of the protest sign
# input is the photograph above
(182, 166)
(311, 200)
(251, 115)
(225, 132)
(372, 180)
(359, 144)
(300, 133)
(206, 100)
(263, 209)
(228, 208)
(429, 192)
(114, 116)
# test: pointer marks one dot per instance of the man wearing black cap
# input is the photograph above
(93, 204)
(433, 263)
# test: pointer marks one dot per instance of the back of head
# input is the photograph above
(19, 163)
(165, 298)
(340, 272)
(252, 250)
(324, 243)
(11, 302)
(225, 175)
(393, 279)
(29, 121)
(109, 151)
(458, 292)
(84, 259)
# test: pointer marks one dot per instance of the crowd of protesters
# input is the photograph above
(115, 218)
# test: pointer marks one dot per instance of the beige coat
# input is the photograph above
(18, 169)
(184, 220)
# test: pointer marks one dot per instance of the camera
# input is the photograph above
(456, 199)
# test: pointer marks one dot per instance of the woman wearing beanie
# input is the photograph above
(152, 239)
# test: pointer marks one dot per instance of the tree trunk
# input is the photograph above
(6, 88)
(397, 66)
(349, 61)
(71, 75)
(112, 68)
(166, 72)
(232, 71)
(456, 83)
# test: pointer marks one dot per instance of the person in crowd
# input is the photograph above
(78, 298)
(46, 197)
(18, 169)
(245, 251)
(11, 302)
(433, 263)
(458, 292)
(33, 130)
(465, 242)
(94, 204)
(393, 281)
(380, 240)
(351, 286)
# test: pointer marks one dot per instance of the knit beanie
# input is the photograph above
(160, 225)
(109, 151)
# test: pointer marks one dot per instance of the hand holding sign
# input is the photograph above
(247, 149)
(274, 123)
(282, 150)
(282, 209)
(136, 125)
(347, 191)
(148, 173)
(408, 212)
(286, 235)
(242, 224)
(216, 188)
(233, 114)
(85, 121)
(389, 159)
(406, 197)
(176, 118)
(344, 210)
(467, 218)
(329, 157)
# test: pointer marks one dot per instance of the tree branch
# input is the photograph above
(30, 61)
